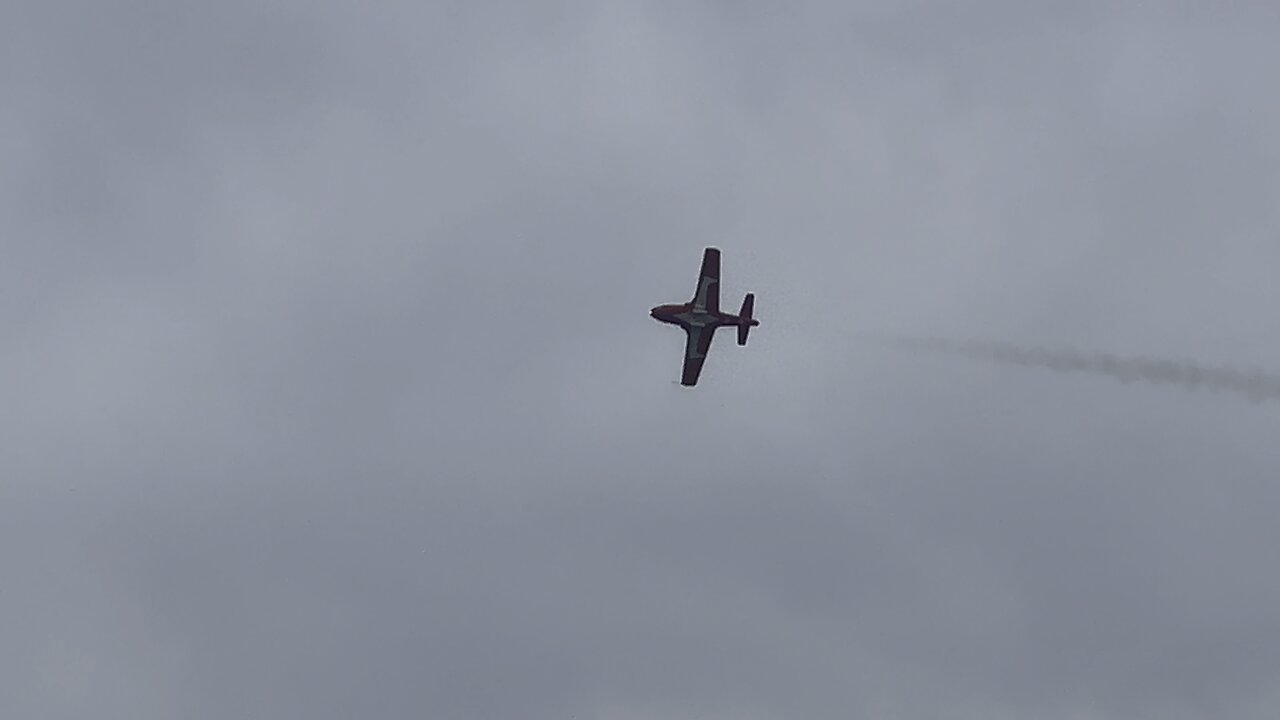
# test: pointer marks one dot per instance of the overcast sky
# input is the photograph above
(329, 389)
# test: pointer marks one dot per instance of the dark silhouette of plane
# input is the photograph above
(702, 317)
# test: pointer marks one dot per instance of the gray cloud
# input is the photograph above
(330, 389)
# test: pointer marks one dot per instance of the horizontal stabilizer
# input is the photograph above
(745, 321)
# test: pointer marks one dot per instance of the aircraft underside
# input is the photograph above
(701, 317)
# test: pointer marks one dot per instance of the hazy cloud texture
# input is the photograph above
(330, 389)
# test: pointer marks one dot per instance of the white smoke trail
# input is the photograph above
(1253, 384)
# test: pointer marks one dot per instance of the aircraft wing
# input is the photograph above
(707, 298)
(697, 343)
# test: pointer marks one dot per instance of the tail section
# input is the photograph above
(745, 321)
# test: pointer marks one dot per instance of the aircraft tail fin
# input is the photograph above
(745, 321)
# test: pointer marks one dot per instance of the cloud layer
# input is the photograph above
(330, 388)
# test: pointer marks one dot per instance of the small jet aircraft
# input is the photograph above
(702, 317)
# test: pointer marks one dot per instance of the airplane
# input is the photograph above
(701, 317)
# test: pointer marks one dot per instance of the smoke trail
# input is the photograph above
(1254, 384)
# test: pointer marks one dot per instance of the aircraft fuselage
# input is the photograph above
(687, 316)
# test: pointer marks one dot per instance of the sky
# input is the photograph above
(330, 389)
